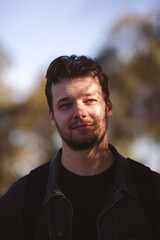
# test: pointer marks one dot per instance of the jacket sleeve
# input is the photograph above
(4, 230)
(11, 210)
(157, 203)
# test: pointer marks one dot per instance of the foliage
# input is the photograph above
(132, 61)
(25, 137)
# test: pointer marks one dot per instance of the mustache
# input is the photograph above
(81, 122)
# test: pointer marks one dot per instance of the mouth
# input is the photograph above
(82, 126)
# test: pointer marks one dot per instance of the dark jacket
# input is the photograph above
(35, 208)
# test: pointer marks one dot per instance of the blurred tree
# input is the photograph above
(4, 91)
(26, 136)
(29, 137)
(5, 122)
(132, 60)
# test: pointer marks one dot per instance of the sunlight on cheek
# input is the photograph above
(99, 112)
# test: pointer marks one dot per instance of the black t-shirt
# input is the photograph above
(87, 195)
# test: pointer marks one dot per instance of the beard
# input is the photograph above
(85, 139)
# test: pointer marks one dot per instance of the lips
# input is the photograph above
(82, 126)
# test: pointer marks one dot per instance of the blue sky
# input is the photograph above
(34, 32)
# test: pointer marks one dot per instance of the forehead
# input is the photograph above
(76, 87)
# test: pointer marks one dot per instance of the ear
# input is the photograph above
(51, 117)
(109, 109)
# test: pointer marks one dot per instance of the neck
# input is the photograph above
(88, 162)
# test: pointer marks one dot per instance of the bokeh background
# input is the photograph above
(123, 35)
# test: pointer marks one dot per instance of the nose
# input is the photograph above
(79, 111)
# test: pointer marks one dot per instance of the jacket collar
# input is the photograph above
(123, 182)
(124, 179)
(52, 185)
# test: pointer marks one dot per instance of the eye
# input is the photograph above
(65, 106)
(91, 100)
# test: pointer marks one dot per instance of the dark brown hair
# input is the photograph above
(71, 67)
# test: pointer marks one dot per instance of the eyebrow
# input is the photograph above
(62, 100)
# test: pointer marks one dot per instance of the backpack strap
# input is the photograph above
(34, 196)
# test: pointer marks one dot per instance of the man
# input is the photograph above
(88, 191)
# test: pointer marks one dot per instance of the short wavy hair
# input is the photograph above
(72, 67)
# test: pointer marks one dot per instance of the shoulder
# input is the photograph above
(136, 170)
(13, 202)
(11, 205)
(145, 178)
(143, 169)
(17, 190)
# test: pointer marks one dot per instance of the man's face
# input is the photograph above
(80, 112)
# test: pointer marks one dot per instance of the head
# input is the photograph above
(78, 98)
(68, 67)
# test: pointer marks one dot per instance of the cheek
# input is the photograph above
(99, 113)
(62, 119)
